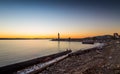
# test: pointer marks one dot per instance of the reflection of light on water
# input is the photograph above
(59, 46)
(63, 46)
(69, 45)
(13, 51)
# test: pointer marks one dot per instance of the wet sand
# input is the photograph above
(101, 61)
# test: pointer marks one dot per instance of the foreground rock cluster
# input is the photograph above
(101, 61)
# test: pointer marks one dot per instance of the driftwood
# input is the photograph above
(10, 69)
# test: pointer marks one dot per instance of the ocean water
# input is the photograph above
(14, 51)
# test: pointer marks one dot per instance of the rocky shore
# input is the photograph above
(101, 61)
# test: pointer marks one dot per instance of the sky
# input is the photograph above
(71, 18)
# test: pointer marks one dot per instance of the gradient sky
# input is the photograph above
(70, 18)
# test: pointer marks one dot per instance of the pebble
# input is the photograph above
(110, 57)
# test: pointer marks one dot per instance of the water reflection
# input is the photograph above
(12, 51)
(59, 46)
(69, 45)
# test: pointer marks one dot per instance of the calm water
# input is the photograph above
(13, 51)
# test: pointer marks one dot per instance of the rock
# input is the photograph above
(110, 57)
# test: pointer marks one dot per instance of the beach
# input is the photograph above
(97, 61)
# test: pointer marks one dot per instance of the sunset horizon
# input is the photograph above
(55, 35)
(44, 19)
(59, 36)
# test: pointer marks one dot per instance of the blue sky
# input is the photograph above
(47, 19)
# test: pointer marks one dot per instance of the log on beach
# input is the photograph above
(9, 69)
(91, 61)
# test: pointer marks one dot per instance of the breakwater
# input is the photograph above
(10, 69)
(73, 40)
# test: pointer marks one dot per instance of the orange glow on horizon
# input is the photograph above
(48, 36)
(40, 36)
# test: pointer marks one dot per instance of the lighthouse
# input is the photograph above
(58, 36)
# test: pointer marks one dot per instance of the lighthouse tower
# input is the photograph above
(58, 36)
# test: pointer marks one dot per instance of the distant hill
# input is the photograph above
(104, 37)
(100, 37)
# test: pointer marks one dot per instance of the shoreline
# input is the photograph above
(81, 61)
(10, 69)
(42, 66)
(19, 66)
(105, 60)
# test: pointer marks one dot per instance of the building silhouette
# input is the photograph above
(116, 36)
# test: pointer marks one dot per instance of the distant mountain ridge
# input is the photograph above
(103, 37)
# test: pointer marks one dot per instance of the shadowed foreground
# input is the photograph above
(102, 61)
